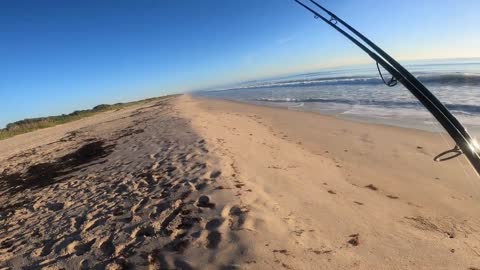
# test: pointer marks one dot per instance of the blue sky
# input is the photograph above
(59, 56)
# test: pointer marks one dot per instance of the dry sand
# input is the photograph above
(189, 183)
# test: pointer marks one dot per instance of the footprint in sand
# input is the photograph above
(118, 263)
(158, 260)
(66, 242)
(144, 231)
(6, 243)
(85, 264)
(178, 245)
(164, 225)
(237, 216)
(121, 188)
(200, 186)
(213, 224)
(77, 222)
(188, 222)
(204, 201)
(78, 248)
(215, 174)
(106, 246)
(46, 248)
(213, 239)
(93, 224)
(140, 205)
(54, 206)
(158, 209)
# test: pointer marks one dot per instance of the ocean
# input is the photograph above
(358, 93)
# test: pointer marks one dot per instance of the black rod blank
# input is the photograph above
(455, 129)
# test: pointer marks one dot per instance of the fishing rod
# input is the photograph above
(465, 143)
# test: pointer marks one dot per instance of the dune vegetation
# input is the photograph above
(31, 124)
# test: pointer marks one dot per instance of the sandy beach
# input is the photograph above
(191, 183)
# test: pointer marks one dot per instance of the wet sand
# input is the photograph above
(188, 183)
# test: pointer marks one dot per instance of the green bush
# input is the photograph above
(31, 124)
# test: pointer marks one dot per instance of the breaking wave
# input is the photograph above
(462, 108)
(457, 79)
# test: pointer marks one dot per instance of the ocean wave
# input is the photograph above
(451, 79)
(455, 79)
(458, 108)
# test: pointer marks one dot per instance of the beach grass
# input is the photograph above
(31, 124)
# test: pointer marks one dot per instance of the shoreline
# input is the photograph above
(432, 126)
(316, 184)
(359, 120)
(308, 127)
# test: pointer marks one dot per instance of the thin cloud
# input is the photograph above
(285, 40)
